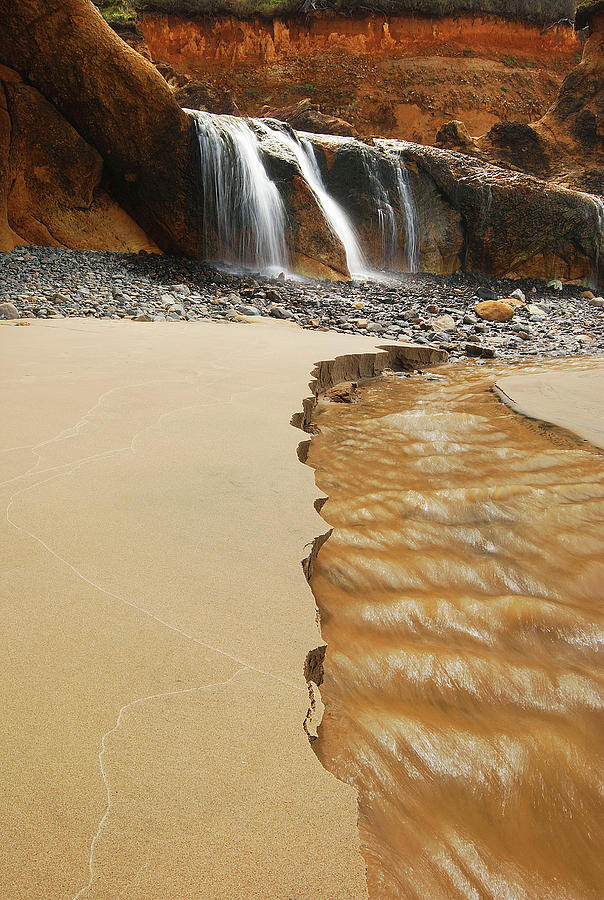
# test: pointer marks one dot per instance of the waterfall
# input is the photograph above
(243, 210)
(599, 206)
(406, 202)
(386, 217)
(408, 207)
(244, 213)
(301, 149)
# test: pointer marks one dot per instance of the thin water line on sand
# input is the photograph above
(77, 464)
(70, 431)
(106, 782)
(130, 603)
(111, 594)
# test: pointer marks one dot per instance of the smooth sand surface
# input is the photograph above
(153, 604)
(571, 395)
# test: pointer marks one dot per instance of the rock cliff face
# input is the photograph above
(474, 216)
(112, 105)
(572, 131)
(567, 144)
(51, 190)
(96, 152)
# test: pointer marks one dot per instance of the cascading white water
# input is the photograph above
(599, 205)
(243, 209)
(407, 205)
(301, 149)
(386, 217)
(244, 212)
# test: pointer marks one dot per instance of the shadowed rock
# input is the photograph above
(52, 192)
(119, 105)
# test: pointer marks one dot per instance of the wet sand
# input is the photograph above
(569, 399)
(153, 605)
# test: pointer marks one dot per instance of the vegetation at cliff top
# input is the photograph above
(540, 12)
(117, 12)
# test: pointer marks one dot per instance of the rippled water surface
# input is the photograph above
(461, 600)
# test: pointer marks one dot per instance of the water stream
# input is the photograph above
(460, 596)
(299, 146)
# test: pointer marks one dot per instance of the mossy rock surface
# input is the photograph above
(118, 13)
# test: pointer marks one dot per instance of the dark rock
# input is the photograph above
(278, 312)
(306, 116)
(486, 294)
(471, 349)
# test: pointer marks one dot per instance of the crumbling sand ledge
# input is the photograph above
(327, 375)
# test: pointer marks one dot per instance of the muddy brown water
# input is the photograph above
(460, 596)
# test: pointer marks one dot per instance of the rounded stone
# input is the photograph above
(494, 311)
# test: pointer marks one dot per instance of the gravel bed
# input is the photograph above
(47, 282)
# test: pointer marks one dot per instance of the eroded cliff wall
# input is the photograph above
(52, 191)
(394, 76)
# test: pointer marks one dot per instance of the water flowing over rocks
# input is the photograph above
(390, 206)
(324, 206)
(255, 193)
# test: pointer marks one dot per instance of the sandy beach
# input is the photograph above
(569, 399)
(153, 607)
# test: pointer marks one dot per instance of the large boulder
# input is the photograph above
(470, 215)
(314, 249)
(119, 105)
(52, 191)
(514, 225)
(306, 116)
